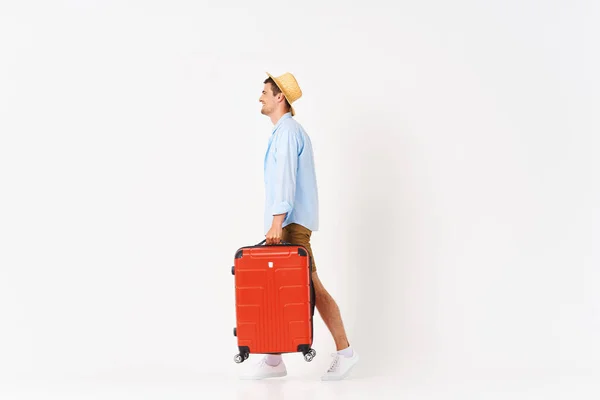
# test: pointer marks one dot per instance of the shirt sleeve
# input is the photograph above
(286, 166)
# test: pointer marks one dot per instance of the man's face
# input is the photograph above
(268, 100)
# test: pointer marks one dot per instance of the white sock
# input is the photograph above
(274, 359)
(347, 352)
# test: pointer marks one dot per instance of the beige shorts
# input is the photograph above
(300, 235)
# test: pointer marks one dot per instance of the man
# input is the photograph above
(291, 212)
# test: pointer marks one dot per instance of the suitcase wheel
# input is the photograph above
(308, 357)
(239, 358)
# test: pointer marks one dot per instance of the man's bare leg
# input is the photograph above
(330, 313)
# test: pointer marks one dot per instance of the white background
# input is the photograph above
(457, 159)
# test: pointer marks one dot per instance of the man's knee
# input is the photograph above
(319, 289)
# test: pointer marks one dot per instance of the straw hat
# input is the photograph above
(289, 87)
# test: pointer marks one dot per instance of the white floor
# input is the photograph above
(360, 386)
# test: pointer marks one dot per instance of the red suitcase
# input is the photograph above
(274, 300)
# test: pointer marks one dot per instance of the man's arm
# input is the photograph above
(286, 164)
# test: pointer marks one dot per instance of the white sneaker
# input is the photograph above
(263, 370)
(340, 367)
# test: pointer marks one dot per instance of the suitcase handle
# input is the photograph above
(265, 240)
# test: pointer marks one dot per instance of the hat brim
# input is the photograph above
(282, 91)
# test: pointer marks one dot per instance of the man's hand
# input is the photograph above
(275, 234)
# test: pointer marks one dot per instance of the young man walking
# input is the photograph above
(292, 213)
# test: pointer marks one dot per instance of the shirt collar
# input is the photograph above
(283, 117)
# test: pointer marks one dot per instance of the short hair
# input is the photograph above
(276, 90)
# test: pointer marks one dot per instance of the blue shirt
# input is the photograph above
(290, 179)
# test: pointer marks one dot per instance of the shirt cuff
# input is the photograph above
(282, 208)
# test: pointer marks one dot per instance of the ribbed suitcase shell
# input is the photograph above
(274, 300)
